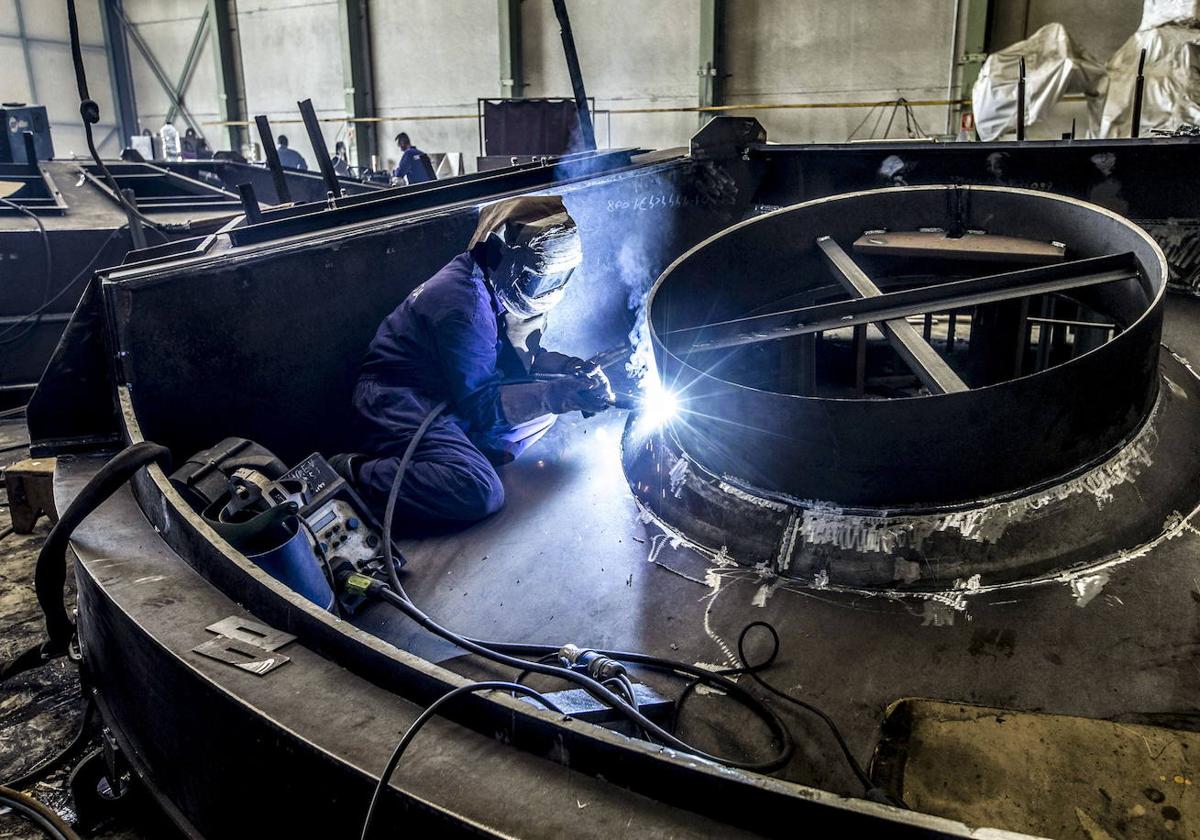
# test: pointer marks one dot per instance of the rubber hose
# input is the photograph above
(50, 577)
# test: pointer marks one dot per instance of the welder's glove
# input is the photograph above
(599, 391)
(548, 361)
(526, 400)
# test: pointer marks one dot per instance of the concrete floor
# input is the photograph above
(568, 560)
(40, 710)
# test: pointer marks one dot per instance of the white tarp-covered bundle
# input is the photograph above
(1054, 67)
(1171, 96)
(1161, 12)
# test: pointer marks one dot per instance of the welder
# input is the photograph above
(471, 336)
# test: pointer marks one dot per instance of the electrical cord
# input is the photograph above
(48, 279)
(40, 815)
(837, 734)
(360, 584)
(397, 597)
(44, 768)
(389, 510)
(89, 110)
(66, 288)
(500, 652)
(424, 717)
(50, 573)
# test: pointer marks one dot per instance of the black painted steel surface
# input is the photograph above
(917, 451)
(1153, 181)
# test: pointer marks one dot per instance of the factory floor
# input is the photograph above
(569, 560)
(40, 710)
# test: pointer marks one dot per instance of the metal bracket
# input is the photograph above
(249, 631)
(243, 655)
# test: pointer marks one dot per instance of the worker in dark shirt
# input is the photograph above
(414, 166)
(290, 158)
(457, 338)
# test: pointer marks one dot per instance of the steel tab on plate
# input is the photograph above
(248, 657)
(251, 632)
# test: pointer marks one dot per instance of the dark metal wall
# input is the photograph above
(1155, 182)
(912, 451)
(265, 344)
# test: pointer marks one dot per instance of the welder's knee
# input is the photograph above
(479, 494)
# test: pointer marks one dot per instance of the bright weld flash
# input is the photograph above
(658, 405)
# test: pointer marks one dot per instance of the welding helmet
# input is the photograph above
(529, 248)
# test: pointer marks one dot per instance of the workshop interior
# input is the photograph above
(549, 418)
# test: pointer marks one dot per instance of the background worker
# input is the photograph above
(288, 157)
(414, 166)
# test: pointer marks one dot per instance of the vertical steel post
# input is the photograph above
(137, 233)
(31, 155)
(1021, 101)
(112, 18)
(283, 193)
(973, 22)
(512, 67)
(250, 203)
(358, 77)
(1139, 86)
(227, 52)
(586, 130)
(312, 126)
(712, 55)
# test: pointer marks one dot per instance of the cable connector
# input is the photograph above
(90, 111)
(356, 584)
(597, 666)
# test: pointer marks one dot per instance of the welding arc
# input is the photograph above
(505, 653)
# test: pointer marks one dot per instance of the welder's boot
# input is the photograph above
(345, 464)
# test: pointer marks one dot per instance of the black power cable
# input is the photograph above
(50, 576)
(50, 573)
(89, 110)
(505, 653)
(44, 768)
(4, 335)
(362, 585)
(424, 717)
(495, 652)
(48, 279)
(46, 820)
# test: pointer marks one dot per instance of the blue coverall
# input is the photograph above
(289, 158)
(441, 343)
(411, 166)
